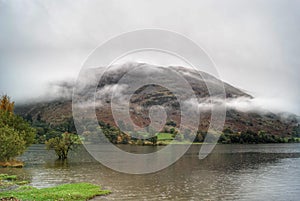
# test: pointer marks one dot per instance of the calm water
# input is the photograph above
(231, 172)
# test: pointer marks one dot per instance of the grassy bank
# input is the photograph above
(7, 181)
(65, 192)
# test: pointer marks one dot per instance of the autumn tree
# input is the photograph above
(6, 104)
(16, 135)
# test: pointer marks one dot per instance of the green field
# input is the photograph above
(164, 136)
(65, 192)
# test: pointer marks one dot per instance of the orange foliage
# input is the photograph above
(6, 104)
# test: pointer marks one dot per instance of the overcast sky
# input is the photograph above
(255, 44)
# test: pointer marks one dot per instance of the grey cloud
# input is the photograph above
(255, 44)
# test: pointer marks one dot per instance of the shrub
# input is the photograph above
(63, 144)
(11, 144)
(15, 133)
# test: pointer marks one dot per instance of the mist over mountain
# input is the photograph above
(243, 110)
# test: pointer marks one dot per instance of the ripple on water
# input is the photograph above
(232, 172)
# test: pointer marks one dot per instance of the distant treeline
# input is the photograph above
(46, 131)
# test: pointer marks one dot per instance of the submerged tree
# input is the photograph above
(63, 144)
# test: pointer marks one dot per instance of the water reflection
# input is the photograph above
(231, 172)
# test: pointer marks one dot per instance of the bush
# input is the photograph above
(63, 144)
(15, 135)
(11, 144)
(19, 125)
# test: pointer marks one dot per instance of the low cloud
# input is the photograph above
(60, 89)
(243, 104)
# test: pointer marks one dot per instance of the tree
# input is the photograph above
(153, 140)
(6, 104)
(200, 136)
(171, 123)
(179, 137)
(63, 144)
(11, 144)
(224, 139)
(189, 136)
(19, 125)
(227, 131)
(172, 130)
(52, 134)
(15, 133)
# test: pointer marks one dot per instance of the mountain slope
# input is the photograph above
(59, 111)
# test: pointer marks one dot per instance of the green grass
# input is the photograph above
(297, 138)
(65, 192)
(7, 181)
(164, 136)
(160, 136)
(8, 177)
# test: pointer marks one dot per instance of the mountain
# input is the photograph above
(238, 119)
